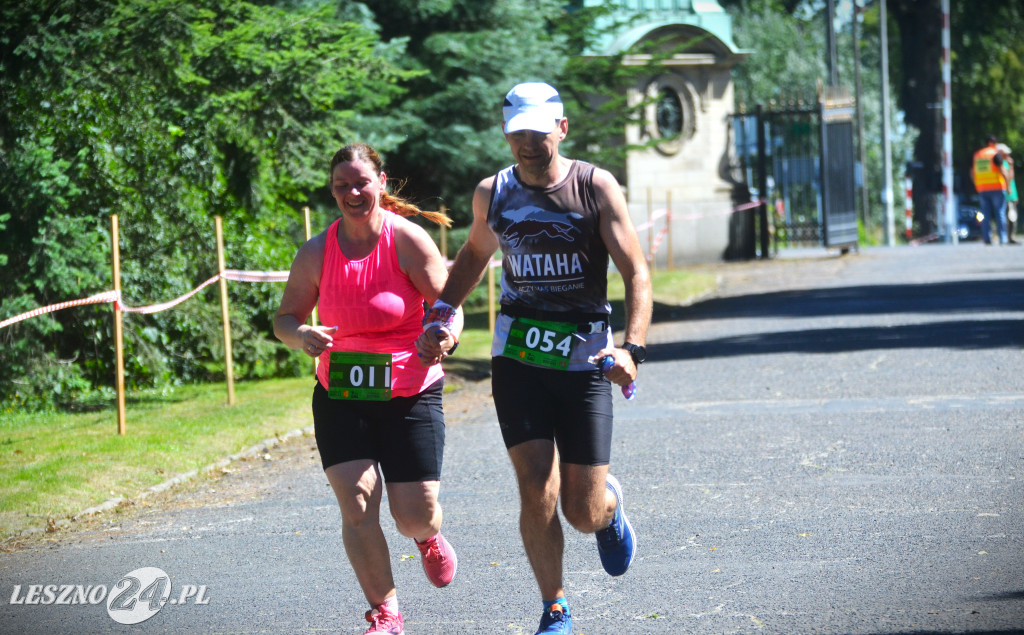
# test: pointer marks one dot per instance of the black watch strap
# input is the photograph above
(639, 353)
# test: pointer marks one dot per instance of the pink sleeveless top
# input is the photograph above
(376, 308)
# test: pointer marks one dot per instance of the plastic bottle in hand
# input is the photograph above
(605, 364)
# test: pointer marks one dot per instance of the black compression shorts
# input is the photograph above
(573, 408)
(405, 435)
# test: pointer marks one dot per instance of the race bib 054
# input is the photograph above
(547, 344)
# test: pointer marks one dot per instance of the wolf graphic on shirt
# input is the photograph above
(553, 257)
(529, 222)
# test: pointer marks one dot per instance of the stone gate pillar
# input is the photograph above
(686, 127)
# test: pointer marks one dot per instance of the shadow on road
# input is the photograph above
(960, 334)
(957, 300)
(941, 297)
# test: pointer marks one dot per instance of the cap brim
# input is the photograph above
(537, 122)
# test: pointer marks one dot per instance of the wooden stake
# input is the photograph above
(668, 228)
(115, 241)
(650, 228)
(312, 317)
(229, 371)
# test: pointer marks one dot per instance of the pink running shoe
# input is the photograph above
(384, 622)
(439, 561)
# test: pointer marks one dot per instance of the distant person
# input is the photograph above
(990, 182)
(1011, 192)
(377, 401)
(557, 222)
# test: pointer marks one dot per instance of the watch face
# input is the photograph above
(639, 353)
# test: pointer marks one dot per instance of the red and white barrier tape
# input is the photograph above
(655, 216)
(695, 216)
(282, 276)
(114, 296)
(163, 306)
(99, 298)
(657, 242)
(670, 216)
(256, 276)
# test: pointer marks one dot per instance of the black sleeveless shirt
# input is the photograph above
(553, 258)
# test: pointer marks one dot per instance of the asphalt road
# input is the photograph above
(827, 445)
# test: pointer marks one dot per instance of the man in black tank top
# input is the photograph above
(557, 222)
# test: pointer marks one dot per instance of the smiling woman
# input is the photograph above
(356, 187)
(377, 401)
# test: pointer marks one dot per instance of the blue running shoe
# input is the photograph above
(616, 543)
(555, 621)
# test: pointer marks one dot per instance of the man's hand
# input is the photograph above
(433, 345)
(623, 372)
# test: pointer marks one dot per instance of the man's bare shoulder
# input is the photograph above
(486, 185)
(605, 180)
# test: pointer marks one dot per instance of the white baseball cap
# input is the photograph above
(1005, 149)
(532, 106)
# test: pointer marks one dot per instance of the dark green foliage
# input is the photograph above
(471, 52)
(776, 6)
(988, 85)
(165, 113)
(169, 112)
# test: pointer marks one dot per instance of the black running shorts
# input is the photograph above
(405, 435)
(573, 408)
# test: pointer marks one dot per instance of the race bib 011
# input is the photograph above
(360, 376)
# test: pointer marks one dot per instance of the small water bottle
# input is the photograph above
(605, 364)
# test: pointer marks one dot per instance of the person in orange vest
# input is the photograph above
(988, 174)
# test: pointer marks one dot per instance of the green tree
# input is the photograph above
(165, 113)
(776, 6)
(901, 138)
(471, 52)
(988, 81)
(786, 60)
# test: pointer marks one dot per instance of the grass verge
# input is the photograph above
(55, 465)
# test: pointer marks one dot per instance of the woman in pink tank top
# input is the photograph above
(377, 400)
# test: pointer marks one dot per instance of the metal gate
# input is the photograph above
(838, 185)
(801, 171)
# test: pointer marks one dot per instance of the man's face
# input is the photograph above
(536, 150)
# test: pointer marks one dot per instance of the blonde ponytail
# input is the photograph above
(402, 207)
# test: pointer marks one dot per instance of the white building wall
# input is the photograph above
(688, 176)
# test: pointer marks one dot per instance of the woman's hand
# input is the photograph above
(433, 345)
(317, 339)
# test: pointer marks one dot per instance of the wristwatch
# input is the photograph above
(639, 353)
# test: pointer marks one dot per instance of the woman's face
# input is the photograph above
(356, 187)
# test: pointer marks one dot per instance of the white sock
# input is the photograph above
(391, 604)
